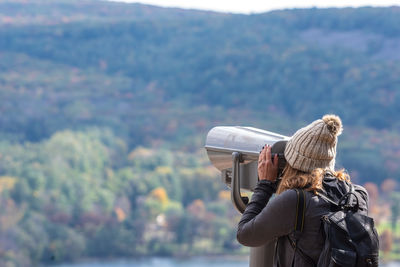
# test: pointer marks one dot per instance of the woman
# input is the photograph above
(310, 154)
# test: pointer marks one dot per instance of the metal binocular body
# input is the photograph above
(235, 150)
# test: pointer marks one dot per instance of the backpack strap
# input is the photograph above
(300, 211)
(346, 200)
(299, 225)
(326, 198)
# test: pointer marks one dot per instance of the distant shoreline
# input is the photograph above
(144, 260)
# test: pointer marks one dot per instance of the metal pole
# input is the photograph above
(237, 199)
(262, 256)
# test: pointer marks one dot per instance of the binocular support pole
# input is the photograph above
(237, 199)
(259, 256)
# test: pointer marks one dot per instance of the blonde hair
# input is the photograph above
(293, 178)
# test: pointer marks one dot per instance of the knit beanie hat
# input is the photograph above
(314, 146)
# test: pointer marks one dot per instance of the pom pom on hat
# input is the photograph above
(334, 124)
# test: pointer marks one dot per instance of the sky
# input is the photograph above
(258, 6)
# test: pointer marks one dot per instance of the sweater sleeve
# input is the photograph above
(265, 219)
(363, 201)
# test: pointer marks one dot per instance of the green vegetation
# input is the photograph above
(85, 194)
(168, 75)
(104, 108)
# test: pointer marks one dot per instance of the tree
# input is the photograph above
(388, 186)
(373, 193)
(395, 208)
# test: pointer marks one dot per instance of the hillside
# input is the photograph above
(47, 12)
(105, 106)
(154, 74)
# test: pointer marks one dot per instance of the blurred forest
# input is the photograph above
(105, 106)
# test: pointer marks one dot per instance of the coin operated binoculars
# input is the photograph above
(234, 151)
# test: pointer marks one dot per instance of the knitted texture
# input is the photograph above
(314, 146)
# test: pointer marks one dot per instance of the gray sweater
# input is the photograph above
(266, 220)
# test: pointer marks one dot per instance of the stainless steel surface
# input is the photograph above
(262, 256)
(235, 187)
(222, 141)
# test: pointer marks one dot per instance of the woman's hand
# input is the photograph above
(267, 170)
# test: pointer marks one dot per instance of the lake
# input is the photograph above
(164, 262)
(171, 262)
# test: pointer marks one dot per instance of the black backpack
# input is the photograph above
(350, 236)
